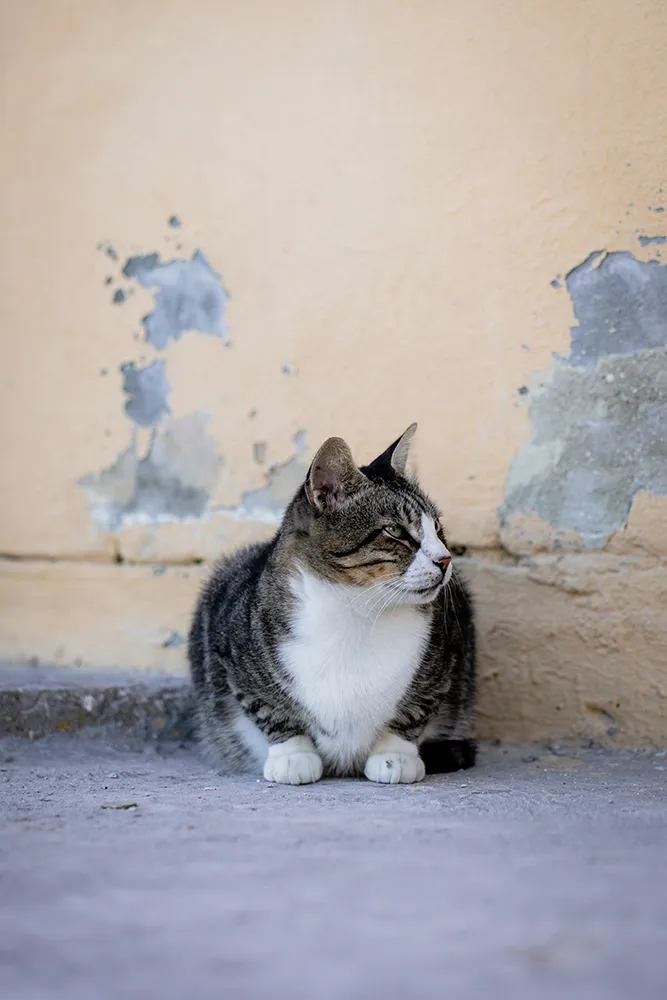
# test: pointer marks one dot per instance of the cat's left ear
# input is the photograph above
(333, 475)
(396, 455)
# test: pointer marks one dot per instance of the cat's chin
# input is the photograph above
(426, 596)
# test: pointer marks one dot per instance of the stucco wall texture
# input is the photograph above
(231, 229)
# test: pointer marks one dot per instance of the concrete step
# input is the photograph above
(36, 701)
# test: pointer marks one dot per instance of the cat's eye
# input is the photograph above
(394, 530)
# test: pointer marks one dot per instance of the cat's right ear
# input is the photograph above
(396, 456)
(333, 475)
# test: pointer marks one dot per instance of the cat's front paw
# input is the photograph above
(293, 762)
(394, 761)
(394, 768)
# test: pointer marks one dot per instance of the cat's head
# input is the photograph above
(370, 526)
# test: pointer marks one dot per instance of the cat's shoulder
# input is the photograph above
(234, 572)
(249, 559)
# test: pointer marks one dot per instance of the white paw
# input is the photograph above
(293, 762)
(394, 767)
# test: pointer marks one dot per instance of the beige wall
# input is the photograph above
(387, 191)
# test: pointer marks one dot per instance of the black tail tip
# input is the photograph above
(444, 756)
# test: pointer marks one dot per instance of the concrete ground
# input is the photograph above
(541, 874)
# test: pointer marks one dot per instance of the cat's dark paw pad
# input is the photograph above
(394, 768)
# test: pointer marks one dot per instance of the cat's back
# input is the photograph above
(225, 599)
(235, 575)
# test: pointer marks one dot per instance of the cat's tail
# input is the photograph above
(443, 756)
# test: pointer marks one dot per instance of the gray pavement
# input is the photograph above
(540, 874)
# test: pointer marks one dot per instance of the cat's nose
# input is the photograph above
(444, 562)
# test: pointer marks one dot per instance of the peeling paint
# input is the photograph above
(147, 390)
(108, 250)
(599, 416)
(647, 241)
(175, 641)
(188, 296)
(620, 304)
(267, 504)
(173, 481)
(300, 442)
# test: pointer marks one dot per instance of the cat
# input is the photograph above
(344, 646)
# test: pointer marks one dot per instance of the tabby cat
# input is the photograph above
(344, 646)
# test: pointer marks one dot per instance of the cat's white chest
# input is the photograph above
(350, 667)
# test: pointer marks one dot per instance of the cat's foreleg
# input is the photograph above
(292, 758)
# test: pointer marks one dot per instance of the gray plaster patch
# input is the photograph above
(599, 417)
(620, 304)
(173, 481)
(300, 442)
(189, 295)
(647, 241)
(267, 504)
(147, 390)
(175, 641)
(600, 436)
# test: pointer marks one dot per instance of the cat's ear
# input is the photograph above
(396, 455)
(333, 475)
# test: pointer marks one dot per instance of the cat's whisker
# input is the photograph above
(381, 609)
(395, 593)
(370, 607)
(390, 586)
(367, 609)
(393, 590)
(450, 600)
(363, 608)
(363, 591)
(372, 593)
(368, 593)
